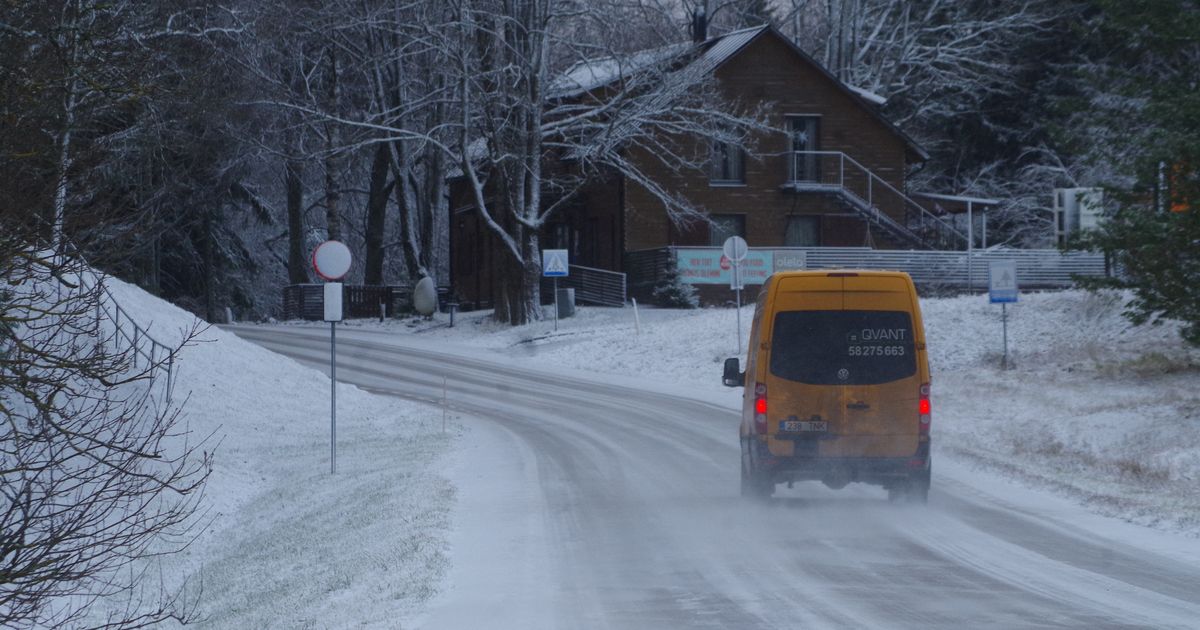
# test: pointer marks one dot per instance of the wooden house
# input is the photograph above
(833, 175)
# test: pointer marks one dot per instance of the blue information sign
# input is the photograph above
(555, 263)
(1002, 281)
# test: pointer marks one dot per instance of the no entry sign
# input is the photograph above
(331, 260)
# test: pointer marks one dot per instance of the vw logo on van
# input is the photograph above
(843, 374)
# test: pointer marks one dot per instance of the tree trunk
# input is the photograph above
(431, 213)
(437, 249)
(297, 263)
(408, 205)
(377, 201)
(154, 281)
(63, 168)
(517, 295)
(210, 272)
(333, 217)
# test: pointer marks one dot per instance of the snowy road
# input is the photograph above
(585, 504)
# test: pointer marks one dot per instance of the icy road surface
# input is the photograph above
(590, 505)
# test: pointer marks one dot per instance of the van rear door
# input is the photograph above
(794, 400)
(883, 404)
(848, 360)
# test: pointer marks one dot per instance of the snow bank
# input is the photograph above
(286, 544)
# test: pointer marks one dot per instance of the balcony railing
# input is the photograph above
(872, 196)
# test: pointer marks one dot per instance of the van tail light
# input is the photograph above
(760, 408)
(924, 410)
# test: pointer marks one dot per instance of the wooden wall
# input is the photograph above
(767, 70)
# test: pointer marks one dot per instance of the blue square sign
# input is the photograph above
(555, 263)
(1002, 281)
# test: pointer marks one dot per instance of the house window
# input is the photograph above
(804, 133)
(725, 225)
(559, 237)
(802, 232)
(728, 164)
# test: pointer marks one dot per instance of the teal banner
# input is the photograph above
(709, 266)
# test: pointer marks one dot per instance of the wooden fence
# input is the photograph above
(307, 301)
(592, 286)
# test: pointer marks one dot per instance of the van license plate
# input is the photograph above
(804, 426)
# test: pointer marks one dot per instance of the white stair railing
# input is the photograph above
(836, 171)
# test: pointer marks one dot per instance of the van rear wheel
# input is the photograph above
(915, 489)
(920, 482)
(754, 484)
(918, 491)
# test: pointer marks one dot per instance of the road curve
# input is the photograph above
(590, 505)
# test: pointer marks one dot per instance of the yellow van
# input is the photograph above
(836, 384)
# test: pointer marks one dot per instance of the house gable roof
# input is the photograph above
(865, 99)
(714, 52)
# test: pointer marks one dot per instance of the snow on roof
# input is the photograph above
(726, 46)
(868, 95)
(960, 199)
(477, 150)
(590, 74)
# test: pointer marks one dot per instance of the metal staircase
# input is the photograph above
(867, 194)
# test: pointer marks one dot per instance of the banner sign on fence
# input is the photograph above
(709, 266)
(786, 260)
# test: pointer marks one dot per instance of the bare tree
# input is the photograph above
(485, 87)
(408, 81)
(98, 476)
(531, 134)
(935, 58)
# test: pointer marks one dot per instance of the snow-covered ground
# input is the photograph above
(286, 544)
(1100, 412)
(1093, 408)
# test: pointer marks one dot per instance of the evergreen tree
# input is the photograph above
(672, 292)
(1154, 234)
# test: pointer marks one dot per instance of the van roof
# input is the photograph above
(810, 273)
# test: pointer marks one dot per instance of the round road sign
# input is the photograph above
(735, 248)
(331, 260)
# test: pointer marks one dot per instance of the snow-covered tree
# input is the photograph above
(77, 72)
(671, 290)
(531, 133)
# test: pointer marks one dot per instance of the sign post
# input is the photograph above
(1002, 289)
(735, 249)
(331, 260)
(555, 264)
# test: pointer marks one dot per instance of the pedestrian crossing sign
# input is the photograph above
(554, 263)
(1002, 281)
